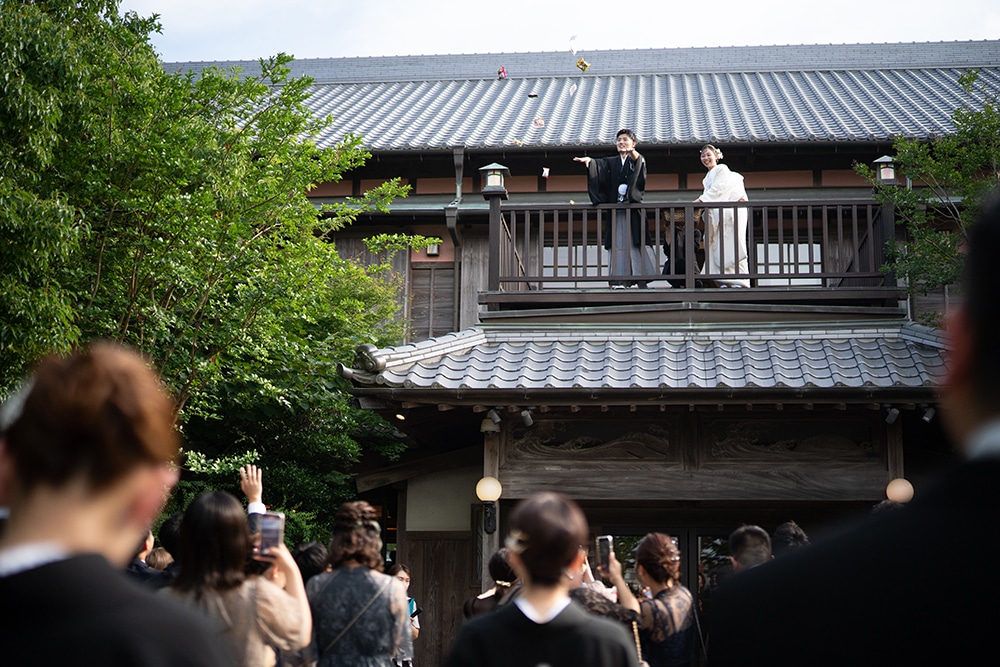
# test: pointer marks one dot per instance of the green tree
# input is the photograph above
(168, 211)
(951, 176)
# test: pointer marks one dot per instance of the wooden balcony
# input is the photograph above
(803, 256)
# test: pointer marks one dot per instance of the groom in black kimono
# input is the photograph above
(622, 178)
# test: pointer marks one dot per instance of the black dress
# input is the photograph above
(574, 638)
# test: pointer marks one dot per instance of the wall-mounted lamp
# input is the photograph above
(433, 250)
(928, 415)
(891, 415)
(402, 414)
(885, 170)
(489, 426)
(526, 418)
(899, 490)
(488, 490)
(494, 416)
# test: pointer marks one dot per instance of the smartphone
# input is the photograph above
(416, 612)
(272, 530)
(604, 550)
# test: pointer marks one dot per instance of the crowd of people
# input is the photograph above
(621, 179)
(87, 452)
(87, 459)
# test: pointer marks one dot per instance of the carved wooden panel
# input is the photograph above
(819, 442)
(552, 440)
(699, 456)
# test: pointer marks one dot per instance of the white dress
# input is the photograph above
(726, 248)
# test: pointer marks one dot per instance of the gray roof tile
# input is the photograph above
(847, 92)
(666, 359)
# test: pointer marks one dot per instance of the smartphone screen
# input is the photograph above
(272, 530)
(603, 550)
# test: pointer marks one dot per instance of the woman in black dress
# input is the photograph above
(542, 625)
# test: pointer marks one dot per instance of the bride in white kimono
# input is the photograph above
(726, 243)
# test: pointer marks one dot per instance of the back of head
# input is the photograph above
(980, 285)
(500, 570)
(169, 534)
(659, 557)
(546, 532)
(749, 546)
(311, 557)
(787, 537)
(159, 558)
(357, 536)
(94, 415)
(215, 543)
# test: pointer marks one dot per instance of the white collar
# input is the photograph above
(534, 615)
(984, 441)
(29, 556)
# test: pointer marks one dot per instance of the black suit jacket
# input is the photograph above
(82, 612)
(505, 637)
(915, 586)
(603, 177)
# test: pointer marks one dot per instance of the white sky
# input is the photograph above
(250, 29)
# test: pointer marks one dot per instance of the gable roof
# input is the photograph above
(752, 94)
(674, 362)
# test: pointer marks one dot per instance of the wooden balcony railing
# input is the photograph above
(818, 245)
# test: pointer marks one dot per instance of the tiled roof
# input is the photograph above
(889, 356)
(854, 92)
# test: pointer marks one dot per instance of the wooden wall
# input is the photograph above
(443, 571)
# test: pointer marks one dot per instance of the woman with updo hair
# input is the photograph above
(359, 613)
(504, 579)
(667, 625)
(542, 625)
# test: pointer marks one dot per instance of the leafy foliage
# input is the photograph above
(168, 211)
(952, 174)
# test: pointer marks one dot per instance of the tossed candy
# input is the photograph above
(502, 72)
(538, 122)
(545, 172)
(583, 65)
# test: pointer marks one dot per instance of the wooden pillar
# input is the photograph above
(894, 448)
(490, 541)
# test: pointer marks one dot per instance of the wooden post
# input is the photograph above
(490, 541)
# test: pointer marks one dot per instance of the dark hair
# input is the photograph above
(169, 534)
(750, 545)
(659, 557)
(215, 543)
(981, 284)
(546, 531)
(396, 568)
(98, 412)
(311, 557)
(500, 570)
(626, 131)
(357, 536)
(788, 536)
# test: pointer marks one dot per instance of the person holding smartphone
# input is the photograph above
(260, 614)
(404, 654)
(668, 627)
